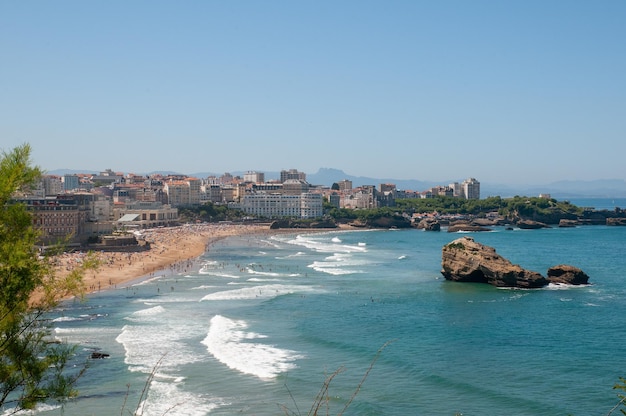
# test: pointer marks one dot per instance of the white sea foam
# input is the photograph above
(336, 240)
(203, 287)
(298, 254)
(146, 344)
(170, 398)
(563, 286)
(270, 274)
(252, 271)
(229, 342)
(331, 268)
(325, 245)
(223, 274)
(155, 343)
(39, 408)
(146, 281)
(339, 264)
(150, 314)
(85, 335)
(257, 279)
(67, 319)
(256, 292)
(150, 311)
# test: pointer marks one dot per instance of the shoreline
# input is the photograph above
(172, 250)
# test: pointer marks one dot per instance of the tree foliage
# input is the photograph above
(32, 369)
(209, 212)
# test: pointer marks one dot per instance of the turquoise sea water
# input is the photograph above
(262, 320)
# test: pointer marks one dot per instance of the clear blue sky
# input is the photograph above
(519, 92)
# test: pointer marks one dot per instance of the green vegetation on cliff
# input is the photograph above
(527, 207)
(516, 208)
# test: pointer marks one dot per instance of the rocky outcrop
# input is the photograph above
(489, 222)
(99, 355)
(466, 226)
(465, 260)
(389, 221)
(568, 223)
(383, 221)
(429, 224)
(616, 221)
(531, 225)
(566, 274)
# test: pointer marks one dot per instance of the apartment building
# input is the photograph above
(107, 177)
(295, 186)
(471, 188)
(254, 177)
(278, 205)
(185, 192)
(363, 197)
(345, 185)
(52, 185)
(58, 220)
(71, 182)
(285, 175)
(211, 192)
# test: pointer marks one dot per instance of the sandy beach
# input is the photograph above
(172, 248)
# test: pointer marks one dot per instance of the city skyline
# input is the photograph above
(515, 93)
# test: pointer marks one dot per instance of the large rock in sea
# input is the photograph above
(566, 274)
(465, 260)
(466, 226)
(531, 225)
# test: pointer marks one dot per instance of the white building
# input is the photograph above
(183, 192)
(254, 177)
(275, 205)
(471, 188)
(145, 215)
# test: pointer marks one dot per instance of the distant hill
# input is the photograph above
(603, 188)
(609, 188)
(328, 176)
(61, 172)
